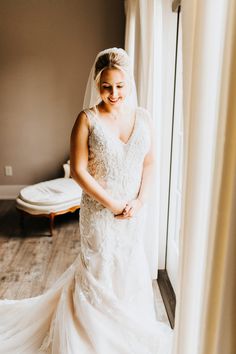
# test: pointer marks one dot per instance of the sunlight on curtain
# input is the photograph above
(143, 43)
(205, 91)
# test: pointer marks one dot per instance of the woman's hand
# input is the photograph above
(118, 207)
(131, 208)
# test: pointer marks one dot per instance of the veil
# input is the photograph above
(92, 97)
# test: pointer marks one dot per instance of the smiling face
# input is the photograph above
(113, 87)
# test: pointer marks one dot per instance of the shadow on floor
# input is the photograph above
(10, 225)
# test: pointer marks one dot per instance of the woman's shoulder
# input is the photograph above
(83, 119)
(90, 113)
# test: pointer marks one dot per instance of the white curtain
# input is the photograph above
(143, 42)
(206, 310)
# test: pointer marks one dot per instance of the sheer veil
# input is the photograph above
(92, 97)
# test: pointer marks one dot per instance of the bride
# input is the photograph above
(102, 304)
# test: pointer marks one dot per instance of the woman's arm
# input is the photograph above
(79, 163)
(148, 172)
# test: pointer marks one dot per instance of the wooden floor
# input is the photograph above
(31, 260)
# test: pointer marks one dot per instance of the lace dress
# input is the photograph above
(102, 304)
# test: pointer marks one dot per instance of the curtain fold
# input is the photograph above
(142, 43)
(220, 307)
(204, 318)
(206, 312)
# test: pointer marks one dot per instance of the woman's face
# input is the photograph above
(113, 87)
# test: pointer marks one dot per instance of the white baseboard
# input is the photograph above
(10, 192)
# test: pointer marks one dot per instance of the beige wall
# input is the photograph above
(47, 48)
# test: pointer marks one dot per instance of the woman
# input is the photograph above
(103, 304)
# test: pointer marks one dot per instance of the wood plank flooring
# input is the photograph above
(31, 260)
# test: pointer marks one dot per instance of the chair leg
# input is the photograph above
(52, 216)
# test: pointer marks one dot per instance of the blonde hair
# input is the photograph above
(114, 59)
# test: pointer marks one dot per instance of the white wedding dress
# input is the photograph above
(102, 304)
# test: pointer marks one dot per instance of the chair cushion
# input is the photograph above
(53, 192)
(45, 209)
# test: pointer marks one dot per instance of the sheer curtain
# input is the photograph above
(205, 313)
(143, 42)
(206, 308)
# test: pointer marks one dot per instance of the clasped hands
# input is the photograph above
(129, 210)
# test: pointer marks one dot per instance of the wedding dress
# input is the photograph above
(103, 304)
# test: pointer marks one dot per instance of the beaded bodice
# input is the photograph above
(116, 165)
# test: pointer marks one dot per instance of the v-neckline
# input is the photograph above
(96, 113)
